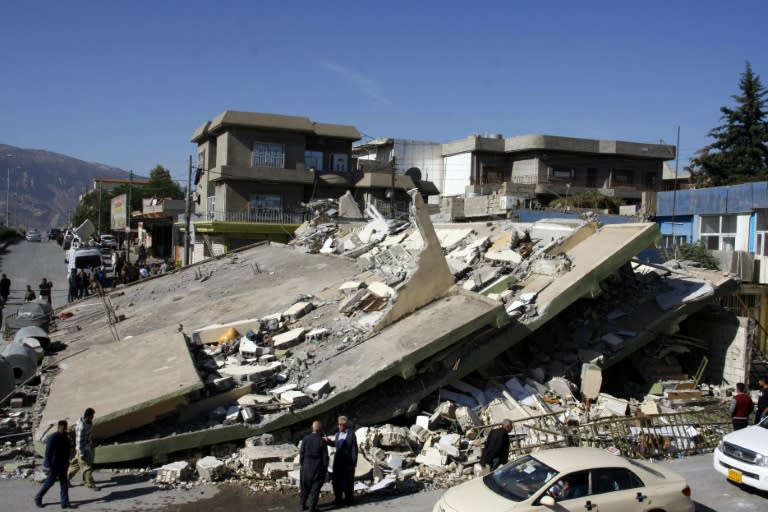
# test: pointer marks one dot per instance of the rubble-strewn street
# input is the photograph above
(426, 336)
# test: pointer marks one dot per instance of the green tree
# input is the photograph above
(161, 185)
(739, 152)
(88, 208)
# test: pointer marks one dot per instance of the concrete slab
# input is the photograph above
(149, 376)
(288, 339)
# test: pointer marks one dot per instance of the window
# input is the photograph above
(267, 154)
(261, 202)
(211, 207)
(669, 241)
(201, 160)
(339, 162)
(562, 173)
(313, 160)
(651, 180)
(718, 232)
(614, 479)
(622, 177)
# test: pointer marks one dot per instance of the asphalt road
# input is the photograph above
(26, 263)
(123, 492)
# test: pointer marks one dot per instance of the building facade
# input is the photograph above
(255, 170)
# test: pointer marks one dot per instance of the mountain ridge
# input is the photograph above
(45, 186)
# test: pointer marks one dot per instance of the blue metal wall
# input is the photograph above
(682, 226)
(742, 198)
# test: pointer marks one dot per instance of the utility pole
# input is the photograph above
(128, 219)
(98, 223)
(187, 222)
(392, 192)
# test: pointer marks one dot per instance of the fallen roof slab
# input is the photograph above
(129, 383)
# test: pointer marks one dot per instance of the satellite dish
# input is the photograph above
(414, 173)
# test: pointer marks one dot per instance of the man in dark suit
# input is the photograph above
(55, 464)
(496, 451)
(344, 463)
(313, 458)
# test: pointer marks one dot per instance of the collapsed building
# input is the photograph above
(382, 320)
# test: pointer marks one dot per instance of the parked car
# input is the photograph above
(742, 456)
(571, 479)
(34, 235)
(54, 234)
(107, 241)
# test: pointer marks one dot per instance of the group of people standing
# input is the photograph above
(314, 460)
(84, 282)
(742, 405)
(61, 465)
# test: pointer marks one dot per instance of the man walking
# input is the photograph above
(45, 290)
(83, 459)
(313, 458)
(344, 463)
(5, 288)
(55, 465)
(762, 400)
(741, 406)
(496, 451)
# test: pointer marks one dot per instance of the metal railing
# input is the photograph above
(642, 437)
(259, 216)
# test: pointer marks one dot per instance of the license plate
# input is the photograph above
(734, 475)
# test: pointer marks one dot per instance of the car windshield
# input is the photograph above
(521, 479)
(764, 423)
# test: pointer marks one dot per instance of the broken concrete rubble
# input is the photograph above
(384, 333)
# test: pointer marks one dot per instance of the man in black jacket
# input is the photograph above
(313, 458)
(344, 463)
(496, 451)
(55, 464)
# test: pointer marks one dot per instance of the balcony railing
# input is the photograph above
(260, 216)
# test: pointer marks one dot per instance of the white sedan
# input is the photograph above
(571, 479)
(742, 456)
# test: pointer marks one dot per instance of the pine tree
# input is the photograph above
(740, 151)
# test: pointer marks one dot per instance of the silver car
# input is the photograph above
(571, 479)
(34, 235)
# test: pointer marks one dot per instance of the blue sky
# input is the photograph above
(126, 83)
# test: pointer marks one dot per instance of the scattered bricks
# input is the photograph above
(233, 415)
(296, 398)
(247, 373)
(446, 410)
(210, 468)
(256, 457)
(248, 348)
(288, 339)
(351, 286)
(363, 469)
(174, 472)
(393, 437)
(277, 470)
(394, 461)
(431, 457)
(349, 305)
(449, 445)
(591, 381)
(221, 451)
(466, 418)
(318, 388)
(271, 322)
(276, 392)
(297, 311)
(253, 399)
(262, 440)
(249, 415)
(381, 290)
(317, 333)
(420, 433)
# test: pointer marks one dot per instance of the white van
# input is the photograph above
(85, 258)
